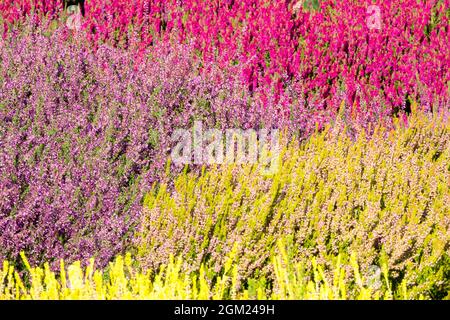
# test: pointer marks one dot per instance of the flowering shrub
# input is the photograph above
(329, 50)
(383, 196)
(78, 134)
(122, 280)
(84, 133)
(86, 118)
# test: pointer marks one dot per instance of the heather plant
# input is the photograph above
(384, 198)
(83, 134)
(86, 119)
(328, 49)
(123, 280)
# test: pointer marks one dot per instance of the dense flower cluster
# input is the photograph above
(80, 137)
(328, 49)
(321, 232)
(361, 91)
(84, 133)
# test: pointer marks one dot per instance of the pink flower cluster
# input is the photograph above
(330, 51)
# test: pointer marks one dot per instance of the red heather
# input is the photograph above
(330, 49)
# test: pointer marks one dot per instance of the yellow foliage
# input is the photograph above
(122, 281)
